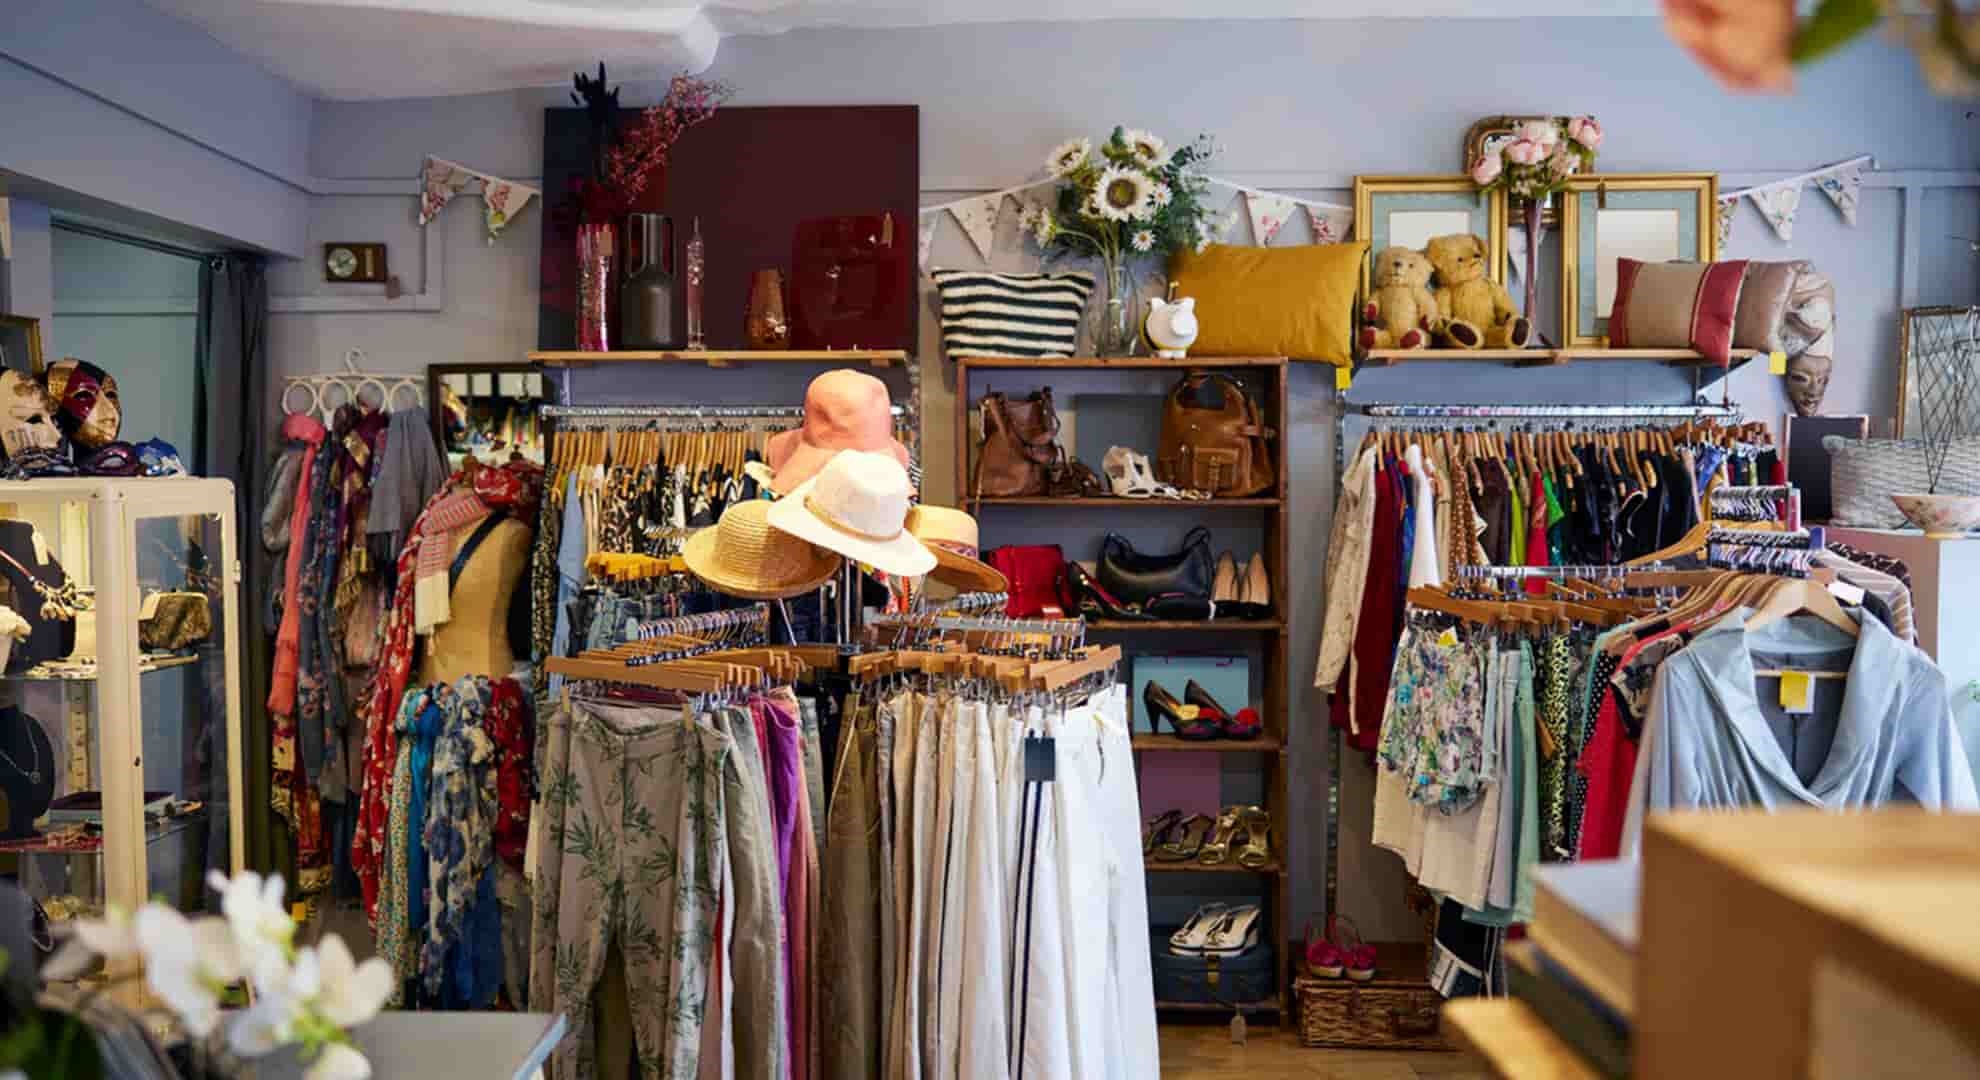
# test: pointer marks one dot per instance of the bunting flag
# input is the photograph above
(1269, 214)
(1330, 224)
(978, 218)
(1722, 212)
(1777, 204)
(440, 180)
(6, 229)
(926, 238)
(1842, 186)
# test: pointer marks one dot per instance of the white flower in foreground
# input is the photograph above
(261, 924)
(1160, 196)
(1123, 193)
(188, 963)
(113, 937)
(351, 993)
(1069, 155)
(1143, 240)
(339, 1061)
(270, 1023)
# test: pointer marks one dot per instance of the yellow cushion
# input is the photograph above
(1281, 301)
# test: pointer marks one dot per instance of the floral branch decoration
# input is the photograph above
(624, 164)
(1540, 158)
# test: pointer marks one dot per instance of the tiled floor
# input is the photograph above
(1207, 1053)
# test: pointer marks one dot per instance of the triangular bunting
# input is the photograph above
(1842, 186)
(1269, 214)
(1330, 224)
(440, 180)
(6, 229)
(978, 218)
(1723, 213)
(926, 238)
(1777, 204)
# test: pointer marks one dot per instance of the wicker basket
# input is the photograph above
(1397, 1010)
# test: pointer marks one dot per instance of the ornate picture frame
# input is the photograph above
(20, 344)
(1436, 205)
(1688, 200)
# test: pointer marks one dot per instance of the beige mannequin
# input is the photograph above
(475, 639)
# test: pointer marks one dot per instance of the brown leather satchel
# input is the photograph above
(1020, 450)
(1222, 449)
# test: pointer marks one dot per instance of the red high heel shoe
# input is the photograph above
(1244, 724)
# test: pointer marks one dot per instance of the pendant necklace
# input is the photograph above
(33, 775)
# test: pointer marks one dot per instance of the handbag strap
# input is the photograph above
(481, 531)
(1115, 541)
(1195, 537)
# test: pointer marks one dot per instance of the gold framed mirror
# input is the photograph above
(1407, 211)
(1650, 217)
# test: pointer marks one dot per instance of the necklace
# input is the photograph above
(33, 775)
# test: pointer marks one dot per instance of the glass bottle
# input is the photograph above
(697, 269)
(646, 296)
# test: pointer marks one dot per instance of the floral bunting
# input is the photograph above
(978, 218)
(1779, 201)
(1778, 204)
(1330, 224)
(926, 237)
(1722, 212)
(440, 180)
(1269, 214)
(1842, 187)
(6, 229)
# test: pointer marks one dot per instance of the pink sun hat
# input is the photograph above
(843, 410)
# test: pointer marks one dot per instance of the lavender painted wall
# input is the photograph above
(1296, 106)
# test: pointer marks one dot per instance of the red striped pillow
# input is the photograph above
(1677, 305)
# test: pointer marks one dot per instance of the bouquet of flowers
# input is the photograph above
(1135, 196)
(1538, 161)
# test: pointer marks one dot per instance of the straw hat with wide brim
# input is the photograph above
(857, 505)
(741, 555)
(951, 535)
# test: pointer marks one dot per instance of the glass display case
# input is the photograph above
(120, 703)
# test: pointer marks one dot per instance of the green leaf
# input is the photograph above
(1834, 24)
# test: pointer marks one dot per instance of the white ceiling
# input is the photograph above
(355, 49)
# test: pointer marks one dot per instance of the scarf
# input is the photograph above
(445, 515)
(306, 429)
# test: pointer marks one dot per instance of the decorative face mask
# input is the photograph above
(25, 420)
(1808, 336)
(86, 405)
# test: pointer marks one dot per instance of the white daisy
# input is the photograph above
(1044, 227)
(1068, 156)
(1143, 241)
(1122, 194)
(1146, 146)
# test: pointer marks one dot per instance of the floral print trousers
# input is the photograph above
(633, 855)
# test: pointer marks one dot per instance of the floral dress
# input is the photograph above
(1432, 729)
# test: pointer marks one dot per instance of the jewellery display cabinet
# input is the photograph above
(135, 735)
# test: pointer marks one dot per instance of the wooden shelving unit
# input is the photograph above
(1264, 640)
(1514, 1041)
(721, 358)
(1689, 358)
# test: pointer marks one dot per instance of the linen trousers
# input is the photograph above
(754, 909)
(850, 966)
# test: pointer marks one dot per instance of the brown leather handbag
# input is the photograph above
(1222, 449)
(1020, 451)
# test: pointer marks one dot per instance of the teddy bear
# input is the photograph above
(1401, 312)
(1475, 311)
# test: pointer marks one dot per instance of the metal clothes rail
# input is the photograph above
(679, 412)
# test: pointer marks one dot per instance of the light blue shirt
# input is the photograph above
(570, 570)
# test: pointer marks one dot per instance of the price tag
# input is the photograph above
(1797, 692)
(1777, 363)
(149, 609)
(1448, 639)
(1343, 375)
(1847, 593)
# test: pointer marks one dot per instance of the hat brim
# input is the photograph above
(963, 572)
(699, 554)
(903, 555)
(797, 461)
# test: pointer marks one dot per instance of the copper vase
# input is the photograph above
(766, 326)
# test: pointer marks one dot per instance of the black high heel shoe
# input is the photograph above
(1185, 720)
(1096, 602)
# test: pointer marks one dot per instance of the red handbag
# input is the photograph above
(1037, 573)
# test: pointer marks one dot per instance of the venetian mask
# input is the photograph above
(86, 405)
(1808, 336)
(26, 422)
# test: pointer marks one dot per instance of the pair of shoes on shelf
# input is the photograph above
(1241, 592)
(1131, 476)
(1243, 835)
(1095, 602)
(1197, 716)
(1340, 953)
(1218, 930)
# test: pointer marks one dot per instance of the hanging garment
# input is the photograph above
(1347, 567)
(850, 964)
(460, 963)
(754, 909)
(1425, 565)
(410, 471)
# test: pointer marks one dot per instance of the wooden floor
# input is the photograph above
(1207, 1053)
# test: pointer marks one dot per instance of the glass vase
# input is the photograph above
(594, 286)
(1116, 334)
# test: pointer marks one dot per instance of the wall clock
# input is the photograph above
(347, 263)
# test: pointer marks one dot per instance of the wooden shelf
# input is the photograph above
(1263, 744)
(1514, 1040)
(1270, 1005)
(721, 358)
(1549, 357)
(1118, 503)
(1191, 866)
(1124, 362)
(1200, 625)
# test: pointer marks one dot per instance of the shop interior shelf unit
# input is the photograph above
(1265, 376)
(720, 358)
(1550, 357)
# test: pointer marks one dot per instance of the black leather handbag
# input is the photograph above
(1175, 586)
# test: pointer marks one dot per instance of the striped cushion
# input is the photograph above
(1677, 305)
(986, 314)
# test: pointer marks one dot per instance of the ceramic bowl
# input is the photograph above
(1941, 516)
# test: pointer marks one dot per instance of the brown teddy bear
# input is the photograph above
(1475, 311)
(1401, 312)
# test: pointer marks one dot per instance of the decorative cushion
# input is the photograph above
(1865, 473)
(1289, 301)
(990, 314)
(1676, 305)
(1763, 303)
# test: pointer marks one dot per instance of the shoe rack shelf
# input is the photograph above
(1265, 640)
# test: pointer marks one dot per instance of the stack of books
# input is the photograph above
(1577, 969)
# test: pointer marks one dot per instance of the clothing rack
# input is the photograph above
(964, 603)
(983, 624)
(679, 412)
(1810, 539)
(703, 623)
(1789, 495)
(1598, 572)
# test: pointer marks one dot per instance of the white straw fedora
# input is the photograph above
(857, 505)
(951, 535)
(741, 555)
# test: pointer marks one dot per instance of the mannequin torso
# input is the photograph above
(475, 639)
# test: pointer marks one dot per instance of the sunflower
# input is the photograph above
(1122, 194)
(1068, 156)
(1146, 146)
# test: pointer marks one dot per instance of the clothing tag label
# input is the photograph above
(1041, 761)
(149, 608)
(1448, 639)
(1797, 692)
(1777, 363)
(1847, 593)
(1343, 375)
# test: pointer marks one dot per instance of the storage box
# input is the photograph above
(1199, 980)
(1396, 1010)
